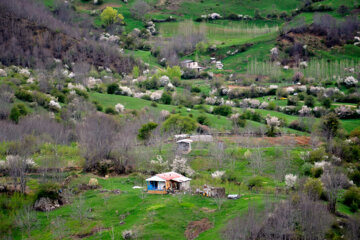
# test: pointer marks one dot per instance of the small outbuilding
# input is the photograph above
(164, 183)
(184, 146)
(191, 65)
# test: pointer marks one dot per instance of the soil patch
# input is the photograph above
(196, 227)
(92, 232)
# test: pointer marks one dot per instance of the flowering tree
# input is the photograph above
(290, 180)
(180, 165)
(273, 124)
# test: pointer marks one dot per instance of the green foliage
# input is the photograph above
(223, 110)
(313, 188)
(355, 177)
(326, 103)
(317, 155)
(203, 120)
(231, 176)
(306, 169)
(166, 98)
(179, 124)
(317, 172)
(14, 114)
(195, 89)
(145, 130)
(17, 111)
(135, 72)
(251, 115)
(351, 198)
(112, 88)
(109, 16)
(110, 110)
(255, 182)
(48, 190)
(174, 73)
(330, 125)
(309, 101)
(24, 95)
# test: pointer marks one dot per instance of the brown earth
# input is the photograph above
(268, 141)
(196, 227)
(92, 232)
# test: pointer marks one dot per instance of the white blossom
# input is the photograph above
(54, 105)
(343, 111)
(321, 164)
(272, 121)
(290, 180)
(217, 174)
(126, 91)
(350, 81)
(164, 113)
(304, 111)
(264, 105)
(156, 95)
(180, 165)
(119, 108)
(164, 80)
(76, 86)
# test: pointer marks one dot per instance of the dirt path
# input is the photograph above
(96, 7)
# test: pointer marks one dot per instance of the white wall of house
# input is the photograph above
(161, 185)
(185, 185)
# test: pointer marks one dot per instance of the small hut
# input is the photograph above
(167, 182)
(184, 146)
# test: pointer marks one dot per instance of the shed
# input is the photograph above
(184, 146)
(167, 182)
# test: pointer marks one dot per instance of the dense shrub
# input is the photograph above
(352, 198)
(166, 98)
(306, 169)
(316, 155)
(24, 95)
(251, 115)
(145, 130)
(309, 101)
(317, 172)
(110, 110)
(48, 190)
(113, 88)
(17, 111)
(179, 124)
(255, 182)
(355, 177)
(203, 120)
(313, 188)
(223, 110)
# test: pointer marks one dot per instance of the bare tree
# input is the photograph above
(26, 219)
(79, 209)
(97, 138)
(245, 227)
(139, 9)
(218, 152)
(257, 163)
(59, 228)
(17, 169)
(333, 180)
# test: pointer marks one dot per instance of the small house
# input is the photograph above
(191, 65)
(164, 183)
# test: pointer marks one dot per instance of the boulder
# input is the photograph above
(45, 204)
(3, 73)
(93, 182)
